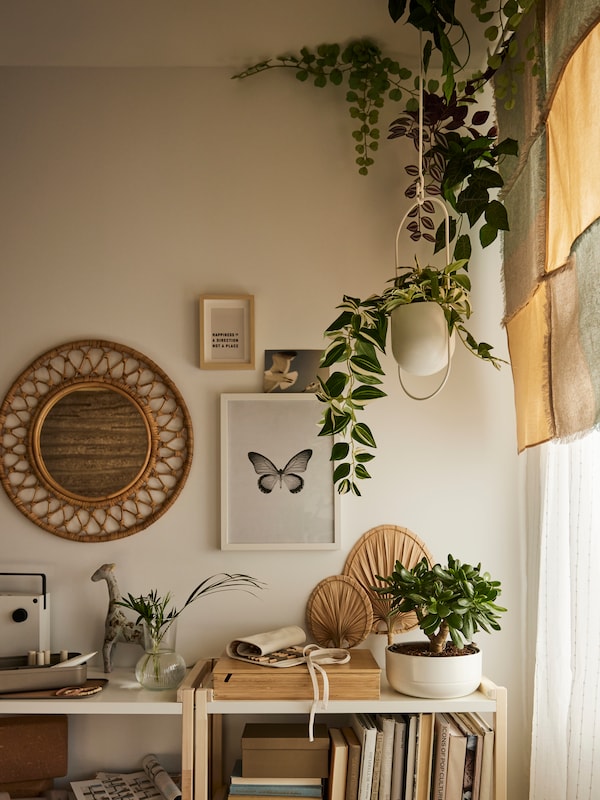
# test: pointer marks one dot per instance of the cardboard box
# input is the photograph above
(283, 750)
(359, 679)
(33, 748)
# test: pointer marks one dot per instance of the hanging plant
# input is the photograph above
(358, 337)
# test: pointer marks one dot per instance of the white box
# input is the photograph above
(24, 623)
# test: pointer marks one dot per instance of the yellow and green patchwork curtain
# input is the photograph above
(552, 251)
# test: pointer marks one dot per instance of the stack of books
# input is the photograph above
(421, 756)
(264, 788)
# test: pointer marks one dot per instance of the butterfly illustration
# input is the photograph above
(270, 476)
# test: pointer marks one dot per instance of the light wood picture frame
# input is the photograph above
(226, 331)
(277, 490)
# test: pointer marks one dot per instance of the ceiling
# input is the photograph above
(175, 33)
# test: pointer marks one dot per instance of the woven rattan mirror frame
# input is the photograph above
(111, 365)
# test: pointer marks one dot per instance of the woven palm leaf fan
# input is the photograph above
(376, 553)
(339, 612)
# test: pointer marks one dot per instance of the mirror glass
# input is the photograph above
(92, 441)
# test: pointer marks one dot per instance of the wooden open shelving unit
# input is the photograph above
(202, 757)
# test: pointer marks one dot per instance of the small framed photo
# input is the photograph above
(277, 490)
(227, 331)
(293, 371)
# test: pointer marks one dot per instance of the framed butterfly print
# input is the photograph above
(277, 489)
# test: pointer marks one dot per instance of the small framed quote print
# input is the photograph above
(227, 331)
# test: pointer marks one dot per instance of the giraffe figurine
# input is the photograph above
(117, 627)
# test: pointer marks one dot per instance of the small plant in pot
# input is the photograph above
(161, 667)
(452, 603)
(359, 335)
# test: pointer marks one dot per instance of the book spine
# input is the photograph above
(353, 763)
(387, 724)
(397, 791)
(366, 735)
(265, 790)
(440, 763)
(377, 759)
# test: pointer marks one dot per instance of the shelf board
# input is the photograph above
(390, 701)
(121, 695)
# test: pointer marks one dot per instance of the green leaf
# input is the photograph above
(362, 458)
(334, 354)
(336, 383)
(365, 363)
(497, 215)
(361, 471)
(361, 433)
(365, 393)
(487, 234)
(344, 319)
(341, 471)
(339, 451)
(396, 9)
(463, 248)
(489, 178)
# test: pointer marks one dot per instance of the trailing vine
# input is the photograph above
(371, 79)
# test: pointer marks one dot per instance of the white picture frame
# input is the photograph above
(281, 498)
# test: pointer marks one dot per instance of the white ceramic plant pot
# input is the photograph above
(420, 338)
(433, 677)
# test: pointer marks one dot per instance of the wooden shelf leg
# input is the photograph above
(500, 744)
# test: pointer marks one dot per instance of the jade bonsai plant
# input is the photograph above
(452, 603)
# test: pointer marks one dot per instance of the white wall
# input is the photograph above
(128, 192)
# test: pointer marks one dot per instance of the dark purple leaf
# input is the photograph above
(479, 117)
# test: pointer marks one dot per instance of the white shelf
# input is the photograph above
(121, 695)
(390, 701)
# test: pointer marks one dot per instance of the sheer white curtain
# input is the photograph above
(565, 486)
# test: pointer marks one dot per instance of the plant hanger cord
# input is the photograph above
(420, 199)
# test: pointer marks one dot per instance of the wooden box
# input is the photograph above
(283, 750)
(359, 679)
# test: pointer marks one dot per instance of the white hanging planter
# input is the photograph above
(420, 341)
(436, 677)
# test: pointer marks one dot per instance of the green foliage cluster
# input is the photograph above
(455, 600)
(358, 336)
(370, 76)
(155, 612)
(461, 156)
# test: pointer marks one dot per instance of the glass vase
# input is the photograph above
(161, 666)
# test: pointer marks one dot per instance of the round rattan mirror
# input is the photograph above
(95, 441)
